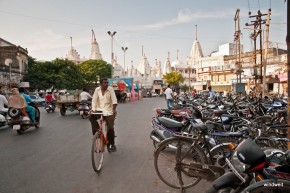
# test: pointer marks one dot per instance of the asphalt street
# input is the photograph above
(56, 157)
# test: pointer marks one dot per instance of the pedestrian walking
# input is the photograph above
(169, 97)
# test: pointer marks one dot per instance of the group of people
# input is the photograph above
(104, 99)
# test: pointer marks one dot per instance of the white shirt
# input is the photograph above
(168, 93)
(3, 101)
(104, 102)
(84, 96)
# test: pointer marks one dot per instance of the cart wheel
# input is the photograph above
(63, 111)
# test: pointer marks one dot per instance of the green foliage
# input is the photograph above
(58, 73)
(173, 78)
(184, 88)
(64, 73)
(91, 70)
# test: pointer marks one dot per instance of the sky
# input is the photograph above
(160, 26)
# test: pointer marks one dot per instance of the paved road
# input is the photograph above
(56, 157)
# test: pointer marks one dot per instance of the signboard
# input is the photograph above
(283, 77)
(158, 82)
(24, 84)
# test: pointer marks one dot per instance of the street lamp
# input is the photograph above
(124, 49)
(112, 34)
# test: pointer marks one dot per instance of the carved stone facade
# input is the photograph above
(12, 72)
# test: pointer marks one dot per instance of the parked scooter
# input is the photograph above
(84, 108)
(49, 107)
(4, 119)
(20, 120)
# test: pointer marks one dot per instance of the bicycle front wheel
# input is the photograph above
(171, 168)
(97, 151)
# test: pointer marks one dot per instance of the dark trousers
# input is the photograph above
(110, 123)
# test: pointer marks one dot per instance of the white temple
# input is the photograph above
(74, 56)
(95, 50)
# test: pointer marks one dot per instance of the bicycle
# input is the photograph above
(180, 161)
(100, 140)
(184, 159)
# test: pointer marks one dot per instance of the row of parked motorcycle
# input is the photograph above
(237, 142)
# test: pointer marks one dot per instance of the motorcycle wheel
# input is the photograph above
(63, 111)
(37, 125)
(85, 115)
(20, 131)
(47, 110)
(213, 190)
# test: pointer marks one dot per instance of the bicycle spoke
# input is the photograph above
(171, 163)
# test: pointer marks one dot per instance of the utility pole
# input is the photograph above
(237, 39)
(257, 24)
(288, 65)
(266, 50)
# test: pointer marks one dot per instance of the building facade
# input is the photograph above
(13, 63)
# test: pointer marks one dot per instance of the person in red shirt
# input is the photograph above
(193, 92)
(50, 98)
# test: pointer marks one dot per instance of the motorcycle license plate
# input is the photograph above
(81, 112)
(16, 127)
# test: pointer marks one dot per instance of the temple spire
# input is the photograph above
(95, 50)
(70, 42)
(195, 32)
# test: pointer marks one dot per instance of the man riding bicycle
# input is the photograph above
(105, 100)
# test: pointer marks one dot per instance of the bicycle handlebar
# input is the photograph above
(97, 113)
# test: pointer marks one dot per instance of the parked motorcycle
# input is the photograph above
(49, 107)
(164, 127)
(20, 120)
(84, 109)
(250, 163)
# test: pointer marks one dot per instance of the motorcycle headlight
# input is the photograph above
(239, 166)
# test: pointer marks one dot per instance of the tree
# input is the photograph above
(173, 78)
(92, 69)
(58, 73)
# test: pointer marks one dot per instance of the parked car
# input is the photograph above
(39, 101)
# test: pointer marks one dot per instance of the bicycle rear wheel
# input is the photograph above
(173, 171)
(97, 151)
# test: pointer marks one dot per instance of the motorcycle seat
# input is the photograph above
(169, 122)
(165, 111)
(219, 112)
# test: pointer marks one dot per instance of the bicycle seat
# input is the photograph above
(169, 122)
